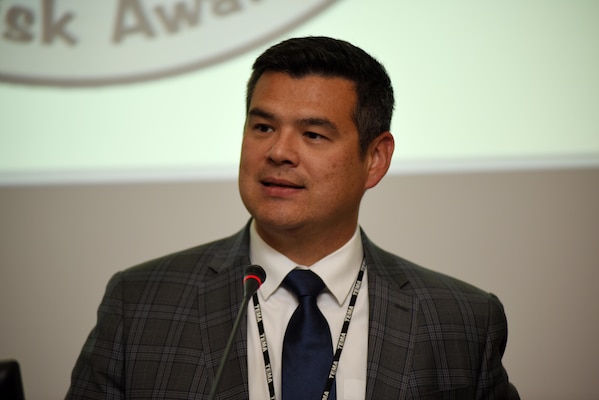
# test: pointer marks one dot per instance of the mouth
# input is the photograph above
(277, 183)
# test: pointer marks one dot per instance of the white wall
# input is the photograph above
(530, 237)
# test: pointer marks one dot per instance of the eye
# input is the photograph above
(263, 128)
(314, 136)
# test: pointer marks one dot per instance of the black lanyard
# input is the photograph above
(340, 341)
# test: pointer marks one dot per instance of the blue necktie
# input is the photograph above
(307, 346)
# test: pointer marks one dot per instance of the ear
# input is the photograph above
(379, 157)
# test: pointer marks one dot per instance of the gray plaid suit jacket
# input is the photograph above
(163, 325)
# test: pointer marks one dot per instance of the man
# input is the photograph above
(316, 138)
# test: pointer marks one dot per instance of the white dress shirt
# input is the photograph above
(339, 271)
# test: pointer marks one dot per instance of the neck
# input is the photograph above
(303, 246)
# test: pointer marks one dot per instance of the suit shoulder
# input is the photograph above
(197, 260)
(418, 279)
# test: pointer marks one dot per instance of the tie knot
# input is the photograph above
(303, 282)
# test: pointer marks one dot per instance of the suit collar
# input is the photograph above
(383, 263)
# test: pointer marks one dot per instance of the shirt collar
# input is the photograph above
(338, 270)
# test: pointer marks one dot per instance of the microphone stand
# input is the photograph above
(223, 360)
(254, 277)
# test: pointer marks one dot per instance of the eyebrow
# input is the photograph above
(258, 112)
(326, 123)
(308, 121)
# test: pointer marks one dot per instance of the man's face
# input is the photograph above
(300, 164)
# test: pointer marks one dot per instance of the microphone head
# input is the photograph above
(253, 278)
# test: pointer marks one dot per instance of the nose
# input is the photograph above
(283, 149)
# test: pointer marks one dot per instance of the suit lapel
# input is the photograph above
(220, 294)
(392, 328)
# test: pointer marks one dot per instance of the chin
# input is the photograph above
(276, 222)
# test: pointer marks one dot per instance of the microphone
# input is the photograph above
(253, 278)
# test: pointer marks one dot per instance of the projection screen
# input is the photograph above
(138, 90)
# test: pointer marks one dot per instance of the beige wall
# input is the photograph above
(530, 237)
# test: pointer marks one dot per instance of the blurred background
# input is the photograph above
(120, 128)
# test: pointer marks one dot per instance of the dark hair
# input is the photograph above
(329, 57)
